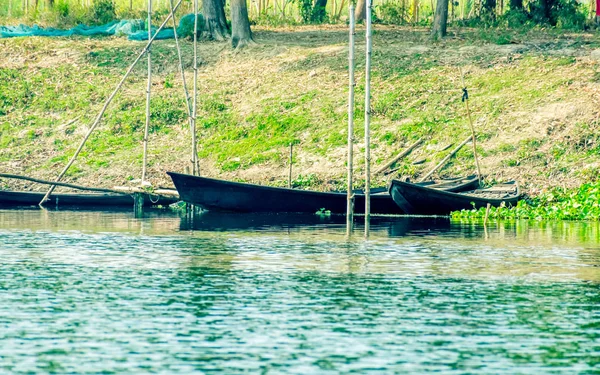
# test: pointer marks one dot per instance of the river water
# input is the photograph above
(104, 292)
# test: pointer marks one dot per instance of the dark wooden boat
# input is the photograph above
(422, 200)
(219, 195)
(29, 198)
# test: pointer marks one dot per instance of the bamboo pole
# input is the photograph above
(351, 84)
(106, 103)
(195, 166)
(291, 163)
(369, 6)
(399, 156)
(465, 99)
(445, 160)
(181, 68)
(148, 89)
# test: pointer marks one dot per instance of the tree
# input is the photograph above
(319, 11)
(488, 10)
(440, 20)
(241, 35)
(516, 4)
(215, 23)
(360, 13)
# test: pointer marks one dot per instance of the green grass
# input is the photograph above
(254, 104)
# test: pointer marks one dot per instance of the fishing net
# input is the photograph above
(133, 29)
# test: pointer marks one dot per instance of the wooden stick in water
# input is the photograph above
(196, 166)
(369, 8)
(351, 84)
(487, 214)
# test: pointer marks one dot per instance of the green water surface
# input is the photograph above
(106, 293)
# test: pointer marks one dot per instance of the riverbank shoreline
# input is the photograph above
(534, 102)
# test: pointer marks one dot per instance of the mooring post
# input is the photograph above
(196, 166)
(291, 163)
(138, 204)
(368, 120)
(351, 84)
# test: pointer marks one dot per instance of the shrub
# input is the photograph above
(102, 12)
(392, 13)
(186, 25)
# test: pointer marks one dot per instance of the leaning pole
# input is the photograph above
(105, 106)
(368, 121)
(350, 204)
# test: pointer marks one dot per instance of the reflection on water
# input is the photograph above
(89, 292)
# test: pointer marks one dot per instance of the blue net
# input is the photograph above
(133, 29)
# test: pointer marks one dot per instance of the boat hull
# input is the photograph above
(219, 195)
(420, 200)
(31, 198)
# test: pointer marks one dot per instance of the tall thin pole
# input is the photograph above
(195, 166)
(105, 106)
(465, 99)
(368, 121)
(291, 164)
(188, 105)
(148, 88)
(351, 84)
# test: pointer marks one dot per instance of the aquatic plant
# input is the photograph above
(582, 203)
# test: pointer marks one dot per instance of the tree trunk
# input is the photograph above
(361, 10)
(415, 14)
(241, 35)
(489, 10)
(319, 12)
(440, 20)
(215, 23)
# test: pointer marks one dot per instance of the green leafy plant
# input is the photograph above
(582, 203)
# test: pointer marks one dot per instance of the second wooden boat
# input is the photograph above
(220, 195)
(421, 200)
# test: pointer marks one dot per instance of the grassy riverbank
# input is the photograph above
(534, 98)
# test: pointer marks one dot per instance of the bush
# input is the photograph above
(186, 25)
(391, 13)
(62, 8)
(102, 12)
(568, 15)
(514, 18)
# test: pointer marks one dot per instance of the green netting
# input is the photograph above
(133, 29)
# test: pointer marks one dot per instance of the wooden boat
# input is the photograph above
(219, 195)
(29, 198)
(422, 200)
